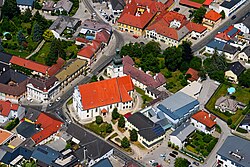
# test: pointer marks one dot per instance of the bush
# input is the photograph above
(125, 143)
(109, 128)
(121, 122)
(229, 121)
(8, 36)
(115, 114)
(98, 120)
(11, 125)
(169, 144)
(232, 126)
(241, 130)
(133, 135)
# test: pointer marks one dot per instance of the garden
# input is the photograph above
(241, 95)
(201, 144)
(146, 99)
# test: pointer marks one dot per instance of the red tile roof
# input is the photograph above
(207, 2)
(89, 50)
(56, 67)
(127, 115)
(29, 64)
(6, 107)
(130, 17)
(102, 36)
(49, 126)
(83, 40)
(106, 92)
(205, 118)
(193, 73)
(190, 3)
(225, 36)
(212, 15)
(5, 135)
(196, 27)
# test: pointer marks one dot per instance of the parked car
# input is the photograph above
(50, 104)
(172, 155)
(233, 17)
(196, 163)
(151, 161)
(58, 99)
(175, 152)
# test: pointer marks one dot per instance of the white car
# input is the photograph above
(58, 99)
(151, 162)
(50, 104)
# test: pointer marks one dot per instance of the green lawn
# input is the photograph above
(242, 95)
(22, 54)
(173, 80)
(98, 129)
(199, 1)
(42, 54)
(146, 99)
(201, 144)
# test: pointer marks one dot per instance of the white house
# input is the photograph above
(234, 152)
(204, 122)
(117, 6)
(244, 24)
(9, 111)
(25, 4)
(245, 123)
(179, 136)
(100, 98)
(43, 90)
(230, 6)
(193, 89)
(244, 55)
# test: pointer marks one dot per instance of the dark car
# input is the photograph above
(175, 152)
(233, 17)
(196, 163)
(172, 155)
(176, 9)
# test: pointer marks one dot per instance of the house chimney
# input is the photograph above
(209, 115)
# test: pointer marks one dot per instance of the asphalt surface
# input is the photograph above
(241, 12)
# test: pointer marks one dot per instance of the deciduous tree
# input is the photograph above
(199, 14)
(133, 135)
(121, 122)
(10, 9)
(48, 35)
(125, 143)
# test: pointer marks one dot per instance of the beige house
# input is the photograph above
(211, 19)
(225, 104)
(233, 73)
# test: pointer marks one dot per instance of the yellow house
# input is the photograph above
(211, 19)
(234, 72)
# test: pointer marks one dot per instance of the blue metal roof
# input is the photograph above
(223, 29)
(216, 44)
(103, 163)
(158, 130)
(25, 2)
(45, 154)
(232, 32)
(167, 111)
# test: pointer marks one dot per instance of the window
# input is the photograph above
(87, 115)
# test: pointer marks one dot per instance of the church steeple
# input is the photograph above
(117, 60)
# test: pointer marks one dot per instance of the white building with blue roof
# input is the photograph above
(25, 4)
(173, 111)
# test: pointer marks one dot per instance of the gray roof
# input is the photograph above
(246, 50)
(117, 4)
(12, 75)
(237, 68)
(227, 103)
(32, 114)
(26, 129)
(177, 105)
(229, 4)
(5, 57)
(65, 4)
(25, 2)
(62, 22)
(229, 49)
(246, 120)
(236, 150)
(183, 131)
(48, 5)
(246, 20)
(182, 32)
(95, 25)
(57, 145)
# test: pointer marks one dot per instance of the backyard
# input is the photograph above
(201, 144)
(241, 95)
(146, 99)
(98, 129)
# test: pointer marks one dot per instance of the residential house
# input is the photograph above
(48, 6)
(228, 34)
(149, 133)
(225, 104)
(25, 4)
(222, 48)
(92, 27)
(194, 75)
(43, 90)
(155, 93)
(138, 14)
(244, 24)
(179, 136)
(245, 123)
(100, 98)
(193, 89)
(104, 162)
(10, 111)
(92, 149)
(195, 4)
(90, 51)
(204, 121)
(234, 152)
(31, 115)
(5, 136)
(117, 6)
(174, 110)
(63, 5)
(234, 71)
(244, 55)
(229, 7)
(72, 70)
(172, 28)
(211, 19)
(64, 25)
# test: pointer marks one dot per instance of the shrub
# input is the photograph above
(98, 120)
(229, 121)
(232, 126)
(125, 143)
(241, 130)
(169, 144)
(121, 122)
(115, 114)
(109, 128)
(8, 36)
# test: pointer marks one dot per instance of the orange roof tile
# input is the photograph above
(212, 15)
(205, 118)
(56, 67)
(89, 50)
(190, 3)
(196, 27)
(4, 135)
(104, 110)
(193, 73)
(207, 2)
(29, 64)
(6, 107)
(49, 126)
(106, 92)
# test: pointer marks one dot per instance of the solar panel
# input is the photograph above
(232, 32)
(223, 29)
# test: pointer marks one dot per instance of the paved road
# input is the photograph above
(209, 36)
